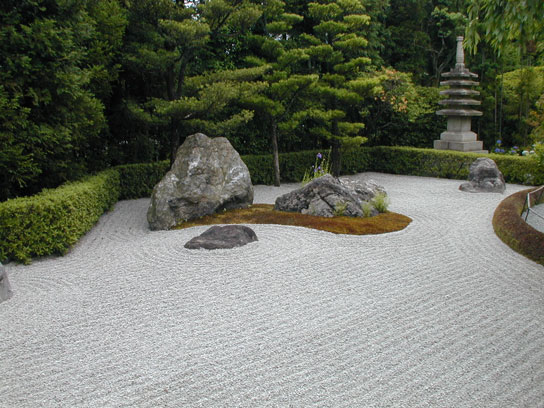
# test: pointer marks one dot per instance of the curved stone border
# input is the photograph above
(514, 231)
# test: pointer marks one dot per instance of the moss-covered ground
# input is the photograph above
(514, 231)
(265, 214)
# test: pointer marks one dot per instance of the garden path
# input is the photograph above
(441, 314)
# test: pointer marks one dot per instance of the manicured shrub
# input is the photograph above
(53, 220)
(450, 164)
(138, 180)
(514, 231)
(261, 168)
(519, 169)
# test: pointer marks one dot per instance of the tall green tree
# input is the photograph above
(170, 41)
(49, 113)
(334, 50)
(423, 36)
(502, 22)
(505, 26)
(274, 42)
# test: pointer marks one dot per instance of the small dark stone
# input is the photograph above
(484, 177)
(5, 288)
(229, 236)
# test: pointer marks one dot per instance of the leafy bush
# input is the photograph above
(53, 220)
(381, 202)
(450, 164)
(367, 207)
(138, 180)
(396, 160)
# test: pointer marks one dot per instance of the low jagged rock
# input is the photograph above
(328, 196)
(229, 236)
(207, 176)
(484, 177)
(5, 288)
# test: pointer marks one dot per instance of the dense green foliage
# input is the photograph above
(56, 67)
(138, 180)
(397, 160)
(91, 84)
(52, 221)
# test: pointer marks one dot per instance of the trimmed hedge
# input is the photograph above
(514, 231)
(138, 180)
(53, 220)
(450, 164)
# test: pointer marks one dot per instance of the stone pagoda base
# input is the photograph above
(459, 137)
(471, 147)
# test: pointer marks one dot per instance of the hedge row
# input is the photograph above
(52, 221)
(138, 180)
(397, 160)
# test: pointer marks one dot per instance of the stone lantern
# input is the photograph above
(458, 107)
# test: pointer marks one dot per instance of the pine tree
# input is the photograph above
(167, 42)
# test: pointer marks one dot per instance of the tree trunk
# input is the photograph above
(336, 158)
(275, 152)
(174, 141)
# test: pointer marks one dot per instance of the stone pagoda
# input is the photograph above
(457, 107)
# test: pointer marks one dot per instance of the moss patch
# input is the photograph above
(514, 231)
(265, 214)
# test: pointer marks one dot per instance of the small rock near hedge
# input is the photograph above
(484, 177)
(5, 288)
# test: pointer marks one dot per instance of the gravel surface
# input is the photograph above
(441, 314)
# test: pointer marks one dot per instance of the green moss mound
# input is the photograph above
(514, 231)
(265, 214)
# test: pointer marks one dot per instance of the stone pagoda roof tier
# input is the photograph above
(459, 74)
(459, 92)
(459, 102)
(459, 112)
(459, 82)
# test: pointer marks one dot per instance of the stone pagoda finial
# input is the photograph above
(460, 55)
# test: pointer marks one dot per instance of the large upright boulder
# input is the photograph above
(207, 176)
(484, 177)
(327, 196)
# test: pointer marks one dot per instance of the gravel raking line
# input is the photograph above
(441, 314)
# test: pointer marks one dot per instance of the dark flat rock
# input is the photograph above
(229, 236)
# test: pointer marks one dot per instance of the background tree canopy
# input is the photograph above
(88, 84)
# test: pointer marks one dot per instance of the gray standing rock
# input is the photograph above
(5, 288)
(327, 196)
(217, 237)
(484, 177)
(207, 176)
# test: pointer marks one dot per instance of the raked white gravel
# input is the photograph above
(441, 314)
